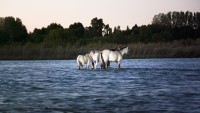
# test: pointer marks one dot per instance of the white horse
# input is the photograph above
(113, 56)
(97, 57)
(84, 59)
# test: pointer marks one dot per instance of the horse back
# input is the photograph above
(111, 55)
(82, 59)
(115, 56)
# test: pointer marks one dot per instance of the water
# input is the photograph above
(142, 85)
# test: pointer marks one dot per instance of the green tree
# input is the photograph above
(88, 32)
(53, 26)
(13, 30)
(97, 26)
(196, 19)
(107, 30)
(56, 35)
(162, 19)
(190, 19)
(38, 35)
(77, 29)
(117, 35)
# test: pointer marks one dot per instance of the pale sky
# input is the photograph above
(40, 13)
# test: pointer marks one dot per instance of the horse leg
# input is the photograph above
(102, 66)
(87, 65)
(119, 64)
(95, 65)
(92, 65)
(79, 65)
(108, 64)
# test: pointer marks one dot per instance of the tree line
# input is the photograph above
(164, 27)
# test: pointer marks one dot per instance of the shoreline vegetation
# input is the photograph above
(175, 49)
(171, 35)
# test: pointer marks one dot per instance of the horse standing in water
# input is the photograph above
(97, 57)
(84, 59)
(113, 49)
(113, 56)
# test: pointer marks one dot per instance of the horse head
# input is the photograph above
(91, 53)
(126, 51)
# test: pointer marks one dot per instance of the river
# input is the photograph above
(141, 85)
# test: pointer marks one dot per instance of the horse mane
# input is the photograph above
(123, 48)
(112, 49)
(115, 49)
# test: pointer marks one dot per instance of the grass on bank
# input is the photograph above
(176, 49)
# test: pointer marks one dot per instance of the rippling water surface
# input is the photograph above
(141, 85)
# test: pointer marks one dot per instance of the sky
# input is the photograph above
(123, 13)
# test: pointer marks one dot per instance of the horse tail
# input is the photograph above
(104, 64)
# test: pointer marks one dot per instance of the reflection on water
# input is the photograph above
(142, 85)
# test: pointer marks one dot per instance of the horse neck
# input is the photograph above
(87, 57)
(90, 57)
(122, 52)
(91, 53)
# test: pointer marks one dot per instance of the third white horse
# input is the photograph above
(113, 56)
